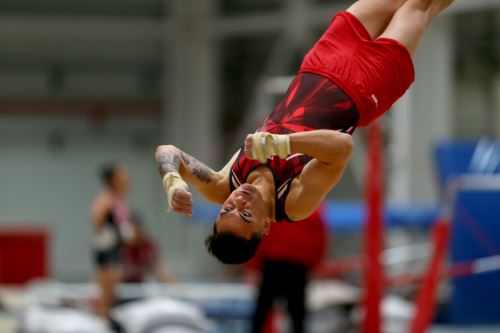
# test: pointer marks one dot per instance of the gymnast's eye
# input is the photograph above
(227, 209)
(246, 214)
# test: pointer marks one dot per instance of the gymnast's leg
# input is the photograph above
(412, 19)
(107, 278)
(375, 15)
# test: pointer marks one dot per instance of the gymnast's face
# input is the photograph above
(244, 213)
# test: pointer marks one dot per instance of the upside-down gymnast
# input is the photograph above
(354, 73)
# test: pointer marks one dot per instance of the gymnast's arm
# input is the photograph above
(211, 184)
(100, 209)
(331, 151)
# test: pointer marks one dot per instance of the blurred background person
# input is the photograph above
(110, 216)
(285, 259)
(141, 256)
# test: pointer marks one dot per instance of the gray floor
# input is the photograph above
(7, 326)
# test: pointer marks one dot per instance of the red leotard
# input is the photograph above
(374, 73)
(311, 102)
(346, 80)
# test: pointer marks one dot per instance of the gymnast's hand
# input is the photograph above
(179, 198)
(178, 169)
(182, 202)
(261, 145)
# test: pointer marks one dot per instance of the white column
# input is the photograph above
(190, 120)
(399, 150)
(423, 117)
(191, 80)
(432, 114)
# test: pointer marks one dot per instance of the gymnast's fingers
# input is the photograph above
(182, 196)
(182, 204)
(185, 212)
(248, 146)
(181, 207)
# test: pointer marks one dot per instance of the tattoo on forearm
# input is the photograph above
(198, 169)
(186, 159)
(168, 162)
(203, 173)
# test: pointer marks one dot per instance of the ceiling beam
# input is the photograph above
(138, 40)
(78, 107)
(56, 39)
(88, 7)
(462, 6)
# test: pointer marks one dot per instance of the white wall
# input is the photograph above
(474, 113)
(46, 184)
(422, 118)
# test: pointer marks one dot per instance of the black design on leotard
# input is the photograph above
(311, 102)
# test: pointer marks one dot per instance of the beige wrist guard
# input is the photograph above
(171, 182)
(266, 144)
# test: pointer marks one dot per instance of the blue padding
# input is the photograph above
(344, 215)
(348, 215)
(452, 159)
(204, 211)
(228, 309)
(351, 215)
(476, 234)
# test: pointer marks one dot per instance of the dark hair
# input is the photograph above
(230, 249)
(107, 173)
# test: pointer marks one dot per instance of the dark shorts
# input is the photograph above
(111, 257)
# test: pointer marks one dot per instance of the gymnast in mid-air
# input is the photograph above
(359, 67)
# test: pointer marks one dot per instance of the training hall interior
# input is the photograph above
(407, 241)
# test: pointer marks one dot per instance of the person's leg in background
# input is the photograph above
(412, 19)
(108, 276)
(375, 15)
(269, 289)
(295, 293)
